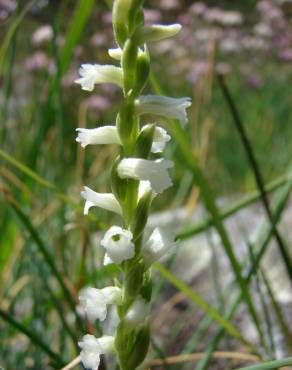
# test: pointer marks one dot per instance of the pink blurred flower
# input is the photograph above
(42, 35)
(169, 4)
(152, 16)
(198, 8)
(37, 61)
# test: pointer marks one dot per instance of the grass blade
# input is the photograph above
(47, 258)
(263, 244)
(212, 312)
(256, 170)
(35, 339)
(270, 365)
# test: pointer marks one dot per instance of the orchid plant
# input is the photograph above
(136, 179)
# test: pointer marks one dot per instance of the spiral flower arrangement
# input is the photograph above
(136, 179)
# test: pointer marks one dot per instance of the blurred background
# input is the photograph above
(47, 246)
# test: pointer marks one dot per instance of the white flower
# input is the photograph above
(158, 32)
(100, 135)
(159, 243)
(164, 106)
(103, 200)
(95, 301)
(118, 244)
(92, 74)
(110, 135)
(138, 313)
(92, 348)
(143, 169)
(160, 139)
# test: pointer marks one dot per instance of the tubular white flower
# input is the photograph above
(159, 243)
(158, 32)
(118, 244)
(92, 74)
(95, 301)
(156, 172)
(160, 139)
(164, 106)
(103, 200)
(100, 135)
(92, 348)
(138, 313)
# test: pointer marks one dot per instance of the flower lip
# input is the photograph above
(118, 244)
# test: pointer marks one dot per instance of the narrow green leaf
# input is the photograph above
(47, 258)
(11, 31)
(212, 312)
(35, 339)
(270, 365)
(192, 162)
(78, 22)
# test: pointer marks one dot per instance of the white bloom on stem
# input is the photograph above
(118, 244)
(158, 245)
(91, 74)
(103, 200)
(160, 139)
(95, 301)
(138, 313)
(99, 135)
(156, 172)
(92, 348)
(164, 106)
(158, 32)
(110, 135)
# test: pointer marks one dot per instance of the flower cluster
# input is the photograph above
(136, 179)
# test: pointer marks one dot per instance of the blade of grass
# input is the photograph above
(192, 163)
(281, 202)
(270, 365)
(47, 258)
(231, 210)
(46, 184)
(256, 170)
(11, 31)
(78, 22)
(212, 312)
(35, 339)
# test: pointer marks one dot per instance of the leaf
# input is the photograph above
(270, 365)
